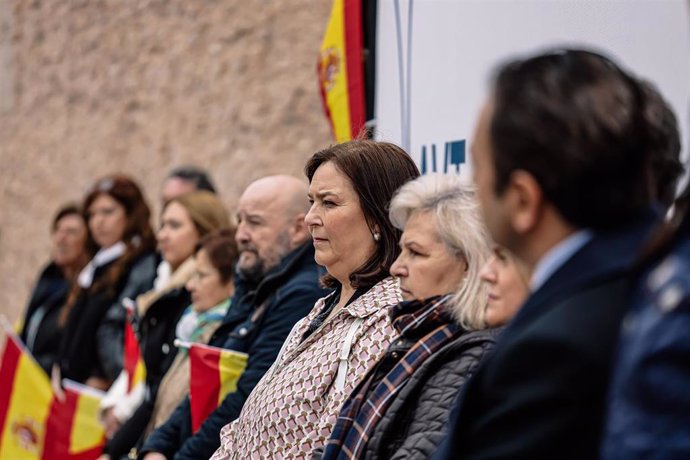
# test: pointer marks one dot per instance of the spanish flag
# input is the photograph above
(341, 70)
(34, 424)
(214, 373)
(133, 363)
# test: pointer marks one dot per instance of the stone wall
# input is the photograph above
(89, 87)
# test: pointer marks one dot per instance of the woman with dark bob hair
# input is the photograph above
(124, 267)
(71, 250)
(293, 408)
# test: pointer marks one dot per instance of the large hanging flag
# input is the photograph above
(133, 364)
(214, 373)
(341, 70)
(34, 424)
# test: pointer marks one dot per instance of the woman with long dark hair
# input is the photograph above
(118, 220)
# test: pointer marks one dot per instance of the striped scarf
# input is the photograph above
(430, 327)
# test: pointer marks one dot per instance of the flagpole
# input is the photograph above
(6, 325)
(182, 344)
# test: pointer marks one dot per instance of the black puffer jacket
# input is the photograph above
(413, 425)
(157, 336)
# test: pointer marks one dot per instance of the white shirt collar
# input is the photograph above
(557, 256)
(102, 257)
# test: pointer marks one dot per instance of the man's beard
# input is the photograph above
(254, 272)
(261, 265)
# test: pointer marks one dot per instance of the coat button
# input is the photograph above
(153, 321)
(165, 348)
(395, 355)
(243, 331)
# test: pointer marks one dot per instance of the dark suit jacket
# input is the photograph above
(541, 393)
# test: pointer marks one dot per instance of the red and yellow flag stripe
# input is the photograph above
(341, 70)
(214, 374)
(133, 362)
(34, 424)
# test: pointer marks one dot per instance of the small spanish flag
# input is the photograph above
(34, 424)
(133, 364)
(214, 373)
(341, 70)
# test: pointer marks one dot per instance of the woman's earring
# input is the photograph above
(377, 236)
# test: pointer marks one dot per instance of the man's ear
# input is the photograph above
(298, 230)
(525, 200)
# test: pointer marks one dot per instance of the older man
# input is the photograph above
(561, 155)
(277, 284)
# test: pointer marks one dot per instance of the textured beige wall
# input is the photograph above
(90, 87)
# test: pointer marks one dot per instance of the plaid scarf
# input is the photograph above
(430, 327)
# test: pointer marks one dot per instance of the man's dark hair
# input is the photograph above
(65, 210)
(576, 122)
(665, 166)
(375, 170)
(195, 175)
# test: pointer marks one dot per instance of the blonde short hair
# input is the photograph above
(452, 202)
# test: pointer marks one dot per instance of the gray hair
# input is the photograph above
(452, 202)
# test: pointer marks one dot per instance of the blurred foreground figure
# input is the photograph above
(649, 410)
(560, 155)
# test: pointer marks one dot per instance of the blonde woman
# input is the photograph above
(184, 221)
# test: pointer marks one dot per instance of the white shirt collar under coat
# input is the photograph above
(102, 257)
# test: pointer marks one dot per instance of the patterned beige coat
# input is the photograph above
(293, 408)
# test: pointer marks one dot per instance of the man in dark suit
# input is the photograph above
(561, 160)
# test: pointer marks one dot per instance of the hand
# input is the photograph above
(55, 379)
(104, 457)
(98, 383)
(155, 456)
(111, 423)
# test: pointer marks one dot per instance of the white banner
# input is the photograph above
(447, 50)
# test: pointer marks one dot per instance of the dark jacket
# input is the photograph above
(47, 299)
(258, 322)
(413, 425)
(541, 392)
(649, 411)
(156, 332)
(92, 343)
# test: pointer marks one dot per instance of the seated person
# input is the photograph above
(125, 265)
(276, 284)
(508, 280)
(211, 288)
(648, 414)
(41, 330)
(292, 410)
(184, 221)
(402, 406)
